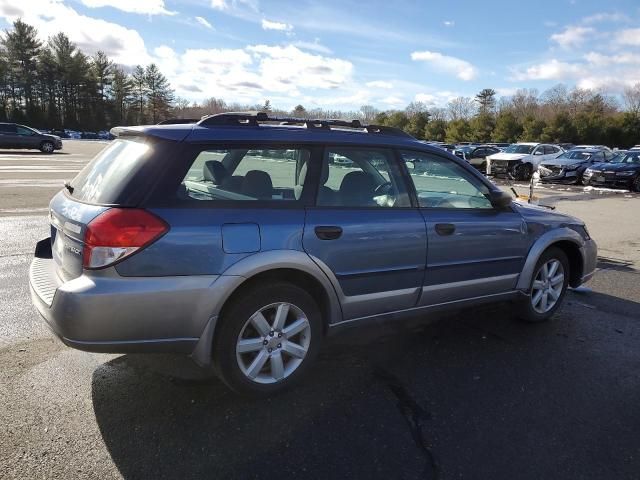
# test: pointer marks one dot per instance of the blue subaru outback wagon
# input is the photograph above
(243, 240)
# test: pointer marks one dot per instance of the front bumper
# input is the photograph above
(589, 260)
(504, 167)
(104, 312)
(562, 176)
(608, 179)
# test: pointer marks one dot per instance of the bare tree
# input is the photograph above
(631, 97)
(368, 113)
(461, 108)
(416, 107)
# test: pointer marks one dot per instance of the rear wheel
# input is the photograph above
(548, 287)
(523, 171)
(47, 147)
(635, 185)
(267, 338)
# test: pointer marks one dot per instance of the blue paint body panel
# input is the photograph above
(195, 246)
(240, 238)
(379, 250)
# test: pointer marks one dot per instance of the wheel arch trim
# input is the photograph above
(548, 239)
(243, 271)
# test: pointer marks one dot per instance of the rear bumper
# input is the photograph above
(109, 313)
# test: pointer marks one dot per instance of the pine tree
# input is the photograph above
(159, 93)
(21, 47)
(121, 95)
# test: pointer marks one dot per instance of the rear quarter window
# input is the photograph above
(108, 174)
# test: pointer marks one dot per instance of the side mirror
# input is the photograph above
(499, 199)
(538, 152)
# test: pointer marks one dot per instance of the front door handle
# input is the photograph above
(445, 228)
(328, 232)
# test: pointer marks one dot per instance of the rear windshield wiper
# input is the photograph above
(68, 186)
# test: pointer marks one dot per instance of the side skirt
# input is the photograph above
(417, 311)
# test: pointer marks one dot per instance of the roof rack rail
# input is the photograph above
(255, 118)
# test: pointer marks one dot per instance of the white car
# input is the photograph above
(519, 160)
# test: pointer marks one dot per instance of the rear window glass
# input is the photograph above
(103, 179)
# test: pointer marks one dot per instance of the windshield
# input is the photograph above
(633, 157)
(465, 149)
(576, 155)
(519, 148)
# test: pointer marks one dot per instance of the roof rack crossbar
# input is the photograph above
(255, 118)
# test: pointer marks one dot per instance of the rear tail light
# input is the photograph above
(117, 234)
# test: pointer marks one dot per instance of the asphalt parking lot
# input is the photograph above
(470, 395)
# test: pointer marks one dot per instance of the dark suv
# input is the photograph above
(236, 240)
(13, 135)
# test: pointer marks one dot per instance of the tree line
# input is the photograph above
(55, 85)
(558, 115)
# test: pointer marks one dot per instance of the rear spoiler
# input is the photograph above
(176, 133)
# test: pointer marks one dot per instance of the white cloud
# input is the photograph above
(148, 7)
(436, 99)
(605, 17)
(219, 4)
(551, 70)
(204, 22)
(230, 5)
(449, 23)
(572, 36)
(393, 101)
(269, 25)
(124, 45)
(314, 46)
(379, 84)
(630, 37)
(460, 68)
(252, 73)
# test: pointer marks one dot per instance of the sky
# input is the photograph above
(343, 54)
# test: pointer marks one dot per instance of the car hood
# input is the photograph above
(544, 216)
(508, 156)
(563, 162)
(52, 137)
(615, 167)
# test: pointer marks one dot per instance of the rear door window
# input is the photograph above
(246, 174)
(107, 175)
(7, 129)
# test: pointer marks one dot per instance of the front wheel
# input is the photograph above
(548, 287)
(267, 338)
(635, 185)
(47, 147)
(523, 171)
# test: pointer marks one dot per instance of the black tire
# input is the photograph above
(232, 322)
(635, 185)
(525, 310)
(47, 147)
(524, 171)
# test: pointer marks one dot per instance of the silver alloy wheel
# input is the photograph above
(273, 343)
(47, 147)
(547, 286)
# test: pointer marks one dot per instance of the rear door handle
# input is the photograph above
(328, 232)
(445, 228)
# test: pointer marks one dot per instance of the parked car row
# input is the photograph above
(561, 163)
